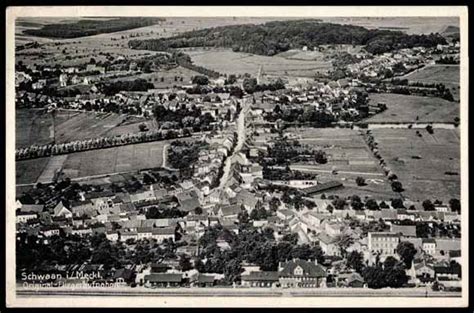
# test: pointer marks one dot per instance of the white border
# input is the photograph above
(190, 11)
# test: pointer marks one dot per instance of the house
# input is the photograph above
(424, 271)
(204, 280)
(329, 244)
(61, 210)
(353, 280)
(285, 214)
(24, 217)
(229, 211)
(147, 195)
(163, 280)
(447, 272)
(384, 243)
(79, 208)
(31, 208)
(260, 279)
(162, 233)
(301, 274)
(188, 200)
(316, 218)
(429, 245)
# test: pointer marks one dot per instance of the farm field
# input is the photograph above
(35, 126)
(349, 155)
(227, 61)
(449, 75)
(28, 171)
(423, 177)
(405, 109)
(32, 127)
(127, 158)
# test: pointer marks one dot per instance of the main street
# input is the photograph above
(240, 143)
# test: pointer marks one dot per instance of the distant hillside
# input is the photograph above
(452, 33)
(274, 37)
(89, 27)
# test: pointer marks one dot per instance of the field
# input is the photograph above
(405, 109)
(35, 126)
(423, 177)
(89, 163)
(227, 61)
(448, 75)
(32, 127)
(121, 159)
(168, 77)
(349, 156)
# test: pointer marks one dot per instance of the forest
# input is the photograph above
(89, 27)
(275, 37)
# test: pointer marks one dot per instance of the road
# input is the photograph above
(240, 143)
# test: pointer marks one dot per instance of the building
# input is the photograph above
(260, 279)
(301, 274)
(429, 246)
(383, 243)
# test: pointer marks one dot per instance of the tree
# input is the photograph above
(455, 205)
(360, 181)
(355, 260)
(406, 250)
(428, 205)
(371, 204)
(200, 80)
(243, 217)
(344, 241)
(198, 210)
(143, 127)
(249, 85)
(185, 263)
(397, 186)
(396, 203)
(429, 129)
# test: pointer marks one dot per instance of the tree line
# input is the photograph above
(36, 151)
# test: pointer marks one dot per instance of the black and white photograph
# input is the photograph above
(279, 156)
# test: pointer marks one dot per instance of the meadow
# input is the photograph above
(449, 75)
(229, 62)
(35, 126)
(405, 109)
(421, 163)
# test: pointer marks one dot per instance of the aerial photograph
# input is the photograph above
(238, 156)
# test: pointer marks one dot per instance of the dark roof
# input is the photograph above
(321, 187)
(206, 278)
(123, 273)
(261, 276)
(164, 277)
(310, 269)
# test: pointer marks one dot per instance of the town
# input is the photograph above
(150, 170)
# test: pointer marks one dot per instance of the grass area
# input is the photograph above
(32, 127)
(227, 61)
(449, 75)
(405, 108)
(35, 126)
(127, 158)
(423, 177)
(349, 155)
(28, 171)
